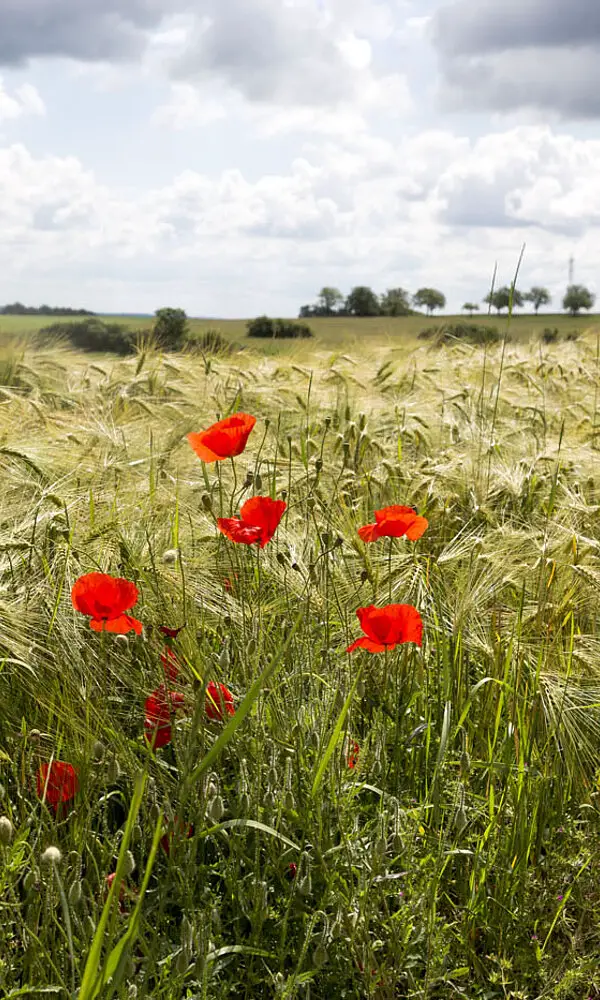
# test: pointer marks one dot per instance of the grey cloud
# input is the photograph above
(81, 29)
(503, 56)
(267, 50)
(478, 26)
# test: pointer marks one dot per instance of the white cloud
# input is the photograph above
(25, 100)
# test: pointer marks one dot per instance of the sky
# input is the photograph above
(231, 157)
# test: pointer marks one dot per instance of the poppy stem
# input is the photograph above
(391, 542)
(234, 487)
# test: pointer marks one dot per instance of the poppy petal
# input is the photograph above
(368, 644)
(225, 439)
(263, 513)
(236, 531)
(395, 510)
(417, 528)
(219, 699)
(369, 533)
(102, 596)
(118, 626)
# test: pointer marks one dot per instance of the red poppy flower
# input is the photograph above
(105, 599)
(219, 700)
(176, 828)
(59, 781)
(225, 439)
(171, 633)
(258, 521)
(353, 752)
(394, 522)
(170, 663)
(388, 627)
(159, 708)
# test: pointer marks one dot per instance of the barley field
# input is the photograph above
(418, 822)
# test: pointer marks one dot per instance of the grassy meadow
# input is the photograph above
(421, 823)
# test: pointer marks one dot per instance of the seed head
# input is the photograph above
(51, 856)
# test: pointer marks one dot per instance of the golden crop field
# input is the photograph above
(245, 809)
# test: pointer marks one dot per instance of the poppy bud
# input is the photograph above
(281, 559)
(35, 735)
(289, 801)
(215, 809)
(258, 481)
(251, 647)
(224, 658)
(6, 830)
(318, 464)
(98, 750)
(244, 804)
(29, 881)
(187, 935)
(129, 864)
(325, 538)
(170, 556)
(75, 894)
(113, 771)
(206, 502)
(364, 576)
(320, 956)
(339, 542)
(227, 621)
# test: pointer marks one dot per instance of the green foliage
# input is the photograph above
(538, 296)
(93, 335)
(263, 326)
(330, 299)
(362, 301)
(395, 302)
(470, 307)
(210, 342)
(18, 309)
(501, 298)
(578, 297)
(429, 299)
(472, 333)
(170, 329)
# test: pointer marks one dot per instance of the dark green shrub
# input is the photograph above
(263, 326)
(549, 335)
(211, 342)
(469, 333)
(94, 335)
(170, 329)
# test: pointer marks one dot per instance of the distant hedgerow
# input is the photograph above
(264, 326)
(471, 333)
(94, 335)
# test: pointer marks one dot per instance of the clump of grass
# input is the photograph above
(458, 855)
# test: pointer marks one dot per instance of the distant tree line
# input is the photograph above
(18, 309)
(363, 301)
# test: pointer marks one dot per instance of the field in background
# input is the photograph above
(459, 855)
(343, 331)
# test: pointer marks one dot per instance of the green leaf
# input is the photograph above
(93, 968)
(334, 739)
(254, 824)
(235, 722)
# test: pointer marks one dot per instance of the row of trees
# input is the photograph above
(576, 298)
(18, 309)
(363, 301)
